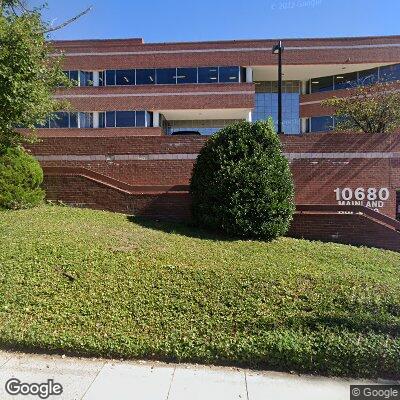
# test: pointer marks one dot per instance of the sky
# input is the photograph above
(177, 21)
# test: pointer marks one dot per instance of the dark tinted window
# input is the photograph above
(321, 124)
(166, 76)
(73, 120)
(125, 77)
(140, 118)
(86, 78)
(322, 84)
(74, 76)
(149, 118)
(390, 73)
(368, 77)
(125, 119)
(229, 74)
(344, 81)
(187, 75)
(102, 120)
(110, 119)
(85, 120)
(208, 75)
(242, 74)
(60, 120)
(110, 78)
(145, 76)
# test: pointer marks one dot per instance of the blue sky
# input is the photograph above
(174, 20)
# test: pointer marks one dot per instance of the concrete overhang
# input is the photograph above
(306, 72)
(205, 114)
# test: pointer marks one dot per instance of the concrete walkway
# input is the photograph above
(92, 379)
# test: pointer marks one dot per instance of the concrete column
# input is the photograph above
(249, 74)
(95, 119)
(96, 77)
(249, 117)
(156, 119)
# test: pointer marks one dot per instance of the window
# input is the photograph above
(73, 120)
(145, 76)
(368, 77)
(266, 104)
(390, 72)
(163, 76)
(124, 119)
(140, 118)
(149, 118)
(70, 120)
(110, 119)
(166, 76)
(229, 74)
(85, 120)
(110, 78)
(321, 124)
(125, 77)
(59, 120)
(344, 81)
(323, 84)
(102, 120)
(85, 78)
(208, 74)
(186, 75)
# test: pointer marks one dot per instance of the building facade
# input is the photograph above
(117, 148)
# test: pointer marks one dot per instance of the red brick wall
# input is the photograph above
(365, 161)
(344, 228)
(238, 52)
(161, 97)
(82, 192)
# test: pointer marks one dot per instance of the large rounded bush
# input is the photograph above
(20, 179)
(242, 184)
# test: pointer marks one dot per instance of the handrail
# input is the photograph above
(159, 189)
(334, 208)
(114, 183)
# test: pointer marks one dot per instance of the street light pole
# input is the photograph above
(278, 49)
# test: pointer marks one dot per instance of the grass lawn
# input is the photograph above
(94, 283)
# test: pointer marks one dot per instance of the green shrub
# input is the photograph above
(242, 184)
(20, 179)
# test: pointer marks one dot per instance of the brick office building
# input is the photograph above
(116, 149)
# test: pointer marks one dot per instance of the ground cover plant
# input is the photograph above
(95, 283)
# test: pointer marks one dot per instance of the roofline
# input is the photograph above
(141, 41)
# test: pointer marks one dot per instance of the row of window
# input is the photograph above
(109, 119)
(81, 78)
(159, 76)
(388, 73)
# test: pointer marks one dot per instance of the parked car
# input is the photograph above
(186, 133)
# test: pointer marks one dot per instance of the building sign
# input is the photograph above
(374, 198)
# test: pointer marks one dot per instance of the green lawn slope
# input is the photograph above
(95, 283)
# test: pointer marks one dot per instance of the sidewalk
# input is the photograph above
(92, 379)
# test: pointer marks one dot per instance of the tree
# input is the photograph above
(370, 109)
(29, 75)
(242, 184)
(29, 71)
